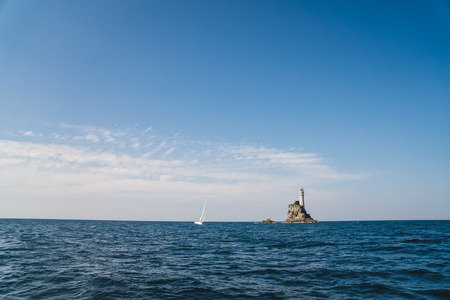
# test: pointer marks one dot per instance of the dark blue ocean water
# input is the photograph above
(61, 259)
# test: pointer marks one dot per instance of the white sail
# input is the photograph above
(202, 217)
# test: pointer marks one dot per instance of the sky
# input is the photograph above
(144, 110)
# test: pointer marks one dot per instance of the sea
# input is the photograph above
(75, 259)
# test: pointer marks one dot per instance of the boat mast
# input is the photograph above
(202, 217)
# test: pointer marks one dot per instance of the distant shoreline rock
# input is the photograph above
(267, 221)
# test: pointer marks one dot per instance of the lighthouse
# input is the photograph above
(297, 212)
(302, 198)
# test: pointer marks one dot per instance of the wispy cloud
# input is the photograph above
(29, 133)
(181, 159)
(85, 162)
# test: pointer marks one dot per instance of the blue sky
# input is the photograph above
(123, 109)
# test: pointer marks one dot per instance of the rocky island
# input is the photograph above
(297, 212)
(267, 221)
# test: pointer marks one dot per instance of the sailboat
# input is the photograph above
(202, 217)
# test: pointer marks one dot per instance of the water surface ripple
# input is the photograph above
(63, 259)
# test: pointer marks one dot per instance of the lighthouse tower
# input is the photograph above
(302, 197)
(297, 212)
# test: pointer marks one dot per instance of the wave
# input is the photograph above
(142, 260)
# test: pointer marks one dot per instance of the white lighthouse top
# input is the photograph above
(302, 197)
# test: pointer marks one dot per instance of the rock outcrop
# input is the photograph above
(267, 221)
(297, 212)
